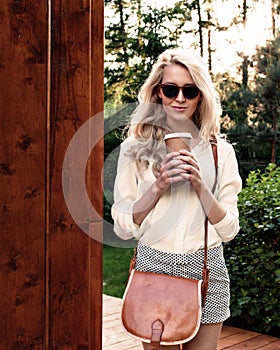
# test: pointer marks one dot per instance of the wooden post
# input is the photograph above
(51, 77)
(23, 106)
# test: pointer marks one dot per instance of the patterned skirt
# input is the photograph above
(216, 308)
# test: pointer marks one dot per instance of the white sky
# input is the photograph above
(237, 38)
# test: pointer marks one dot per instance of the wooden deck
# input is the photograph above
(115, 338)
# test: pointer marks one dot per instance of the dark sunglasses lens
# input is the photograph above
(190, 92)
(170, 91)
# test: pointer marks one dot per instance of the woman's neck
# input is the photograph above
(184, 126)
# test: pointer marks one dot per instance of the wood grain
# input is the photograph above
(23, 57)
(75, 259)
(51, 83)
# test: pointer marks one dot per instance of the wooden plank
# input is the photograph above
(124, 345)
(109, 324)
(74, 258)
(114, 335)
(236, 338)
(23, 62)
(259, 342)
(95, 288)
(227, 330)
(111, 317)
(272, 346)
(111, 304)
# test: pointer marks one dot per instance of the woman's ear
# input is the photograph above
(159, 93)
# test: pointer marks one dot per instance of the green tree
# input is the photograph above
(134, 41)
(275, 10)
(251, 113)
(238, 103)
(116, 42)
(268, 91)
(204, 23)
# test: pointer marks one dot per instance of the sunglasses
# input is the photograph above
(172, 90)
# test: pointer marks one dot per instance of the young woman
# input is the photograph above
(162, 197)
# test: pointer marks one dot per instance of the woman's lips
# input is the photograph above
(179, 109)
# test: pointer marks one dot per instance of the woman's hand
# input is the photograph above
(178, 167)
(170, 172)
(190, 170)
(213, 209)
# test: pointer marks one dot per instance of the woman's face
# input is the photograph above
(179, 109)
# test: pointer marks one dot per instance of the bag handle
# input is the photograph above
(205, 272)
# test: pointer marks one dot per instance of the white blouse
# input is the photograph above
(176, 223)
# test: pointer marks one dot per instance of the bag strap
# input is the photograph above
(205, 272)
(132, 262)
(213, 142)
(157, 330)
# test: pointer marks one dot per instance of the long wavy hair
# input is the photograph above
(148, 122)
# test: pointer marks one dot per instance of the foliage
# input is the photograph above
(253, 257)
(134, 42)
(268, 89)
(250, 112)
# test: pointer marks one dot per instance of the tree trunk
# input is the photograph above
(273, 13)
(200, 27)
(274, 140)
(245, 57)
(139, 19)
(209, 41)
(245, 71)
(122, 28)
(244, 13)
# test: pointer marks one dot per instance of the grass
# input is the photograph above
(115, 269)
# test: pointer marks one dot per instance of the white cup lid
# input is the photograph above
(178, 134)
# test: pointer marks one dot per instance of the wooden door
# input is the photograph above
(51, 81)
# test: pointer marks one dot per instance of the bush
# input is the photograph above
(253, 257)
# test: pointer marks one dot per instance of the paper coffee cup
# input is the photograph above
(178, 140)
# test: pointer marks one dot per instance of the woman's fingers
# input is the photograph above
(170, 157)
(171, 162)
(187, 158)
(178, 167)
(172, 173)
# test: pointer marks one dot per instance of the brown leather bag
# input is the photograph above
(163, 309)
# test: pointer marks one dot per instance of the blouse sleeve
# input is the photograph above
(125, 194)
(230, 185)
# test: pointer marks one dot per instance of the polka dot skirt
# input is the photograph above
(216, 308)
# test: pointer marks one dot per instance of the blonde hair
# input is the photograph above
(148, 124)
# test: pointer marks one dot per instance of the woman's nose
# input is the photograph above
(180, 97)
